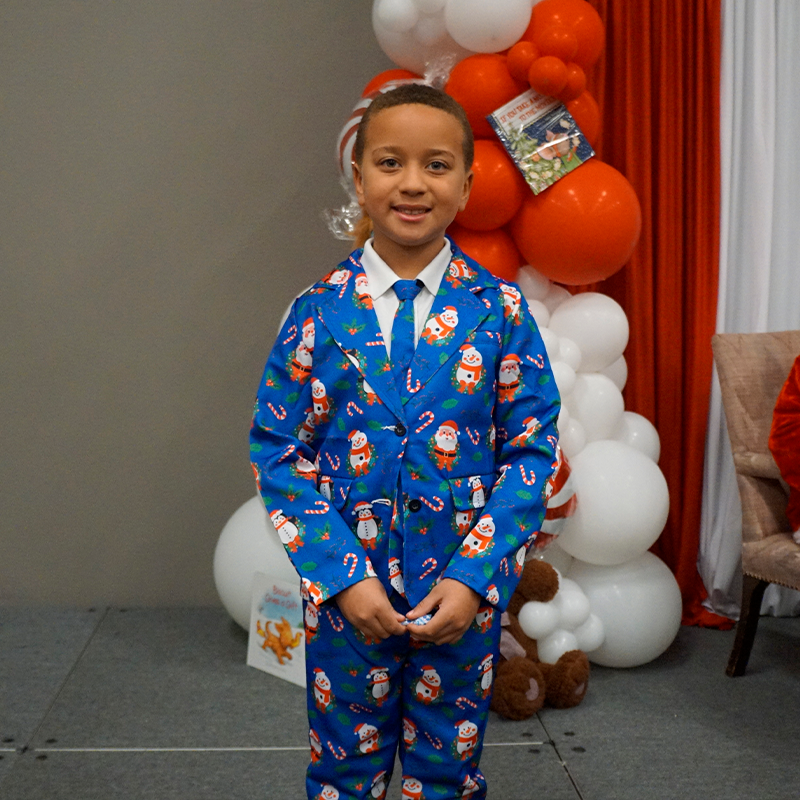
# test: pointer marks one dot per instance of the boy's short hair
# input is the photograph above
(410, 94)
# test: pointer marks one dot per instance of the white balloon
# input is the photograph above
(430, 30)
(569, 352)
(639, 604)
(598, 404)
(555, 297)
(558, 558)
(550, 341)
(563, 418)
(573, 608)
(552, 647)
(538, 620)
(572, 438)
(430, 6)
(565, 377)
(532, 284)
(487, 27)
(618, 372)
(540, 313)
(597, 324)
(248, 544)
(637, 431)
(622, 507)
(568, 585)
(590, 634)
(397, 16)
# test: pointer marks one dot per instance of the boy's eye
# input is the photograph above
(438, 166)
(390, 163)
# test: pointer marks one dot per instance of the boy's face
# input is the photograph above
(412, 180)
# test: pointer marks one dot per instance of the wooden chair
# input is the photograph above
(752, 369)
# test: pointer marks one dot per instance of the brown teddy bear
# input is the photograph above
(522, 683)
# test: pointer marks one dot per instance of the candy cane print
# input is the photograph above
(504, 566)
(279, 414)
(528, 481)
(337, 624)
(487, 303)
(352, 405)
(334, 464)
(408, 383)
(474, 436)
(376, 342)
(402, 445)
(336, 755)
(463, 702)
(538, 361)
(433, 563)
(434, 740)
(292, 333)
(428, 417)
(439, 503)
(354, 558)
(553, 441)
(287, 452)
(358, 707)
(324, 507)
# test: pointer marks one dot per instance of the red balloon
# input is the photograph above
(497, 191)
(583, 228)
(557, 40)
(520, 58)
(548, 75)
(580, 17)
(494, 250)
(575, 85)
(389, 75)
(482, 83)
(586, 113)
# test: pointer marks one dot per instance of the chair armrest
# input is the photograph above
(758, 465)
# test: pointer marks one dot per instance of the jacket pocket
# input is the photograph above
(335, 489)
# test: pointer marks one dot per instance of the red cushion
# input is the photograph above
(784, 440)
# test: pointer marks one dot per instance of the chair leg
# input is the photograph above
(752, 595)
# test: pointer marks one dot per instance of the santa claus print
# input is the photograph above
(509, 378)
(316, 746)
(409, 734)
(361, 457)
(301, 359)
(512, 303)
(469, 373)
(440, 329)
(323, 405)
(338, 277)
(311, 622)
(443, 446)
(362, 298)
(459, 271)
(532, 426)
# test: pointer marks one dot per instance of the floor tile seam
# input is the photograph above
(562, 761)
(67, 677)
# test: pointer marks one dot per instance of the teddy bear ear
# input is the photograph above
(539, 581)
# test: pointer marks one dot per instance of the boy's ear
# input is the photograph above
(466, 190)
(358, 181)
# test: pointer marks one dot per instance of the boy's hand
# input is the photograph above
(366, 606)
(457, 606)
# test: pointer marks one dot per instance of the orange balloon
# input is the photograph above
(389, 75)
(586, 113)
(583, 228)
(548, 75)
(580, 17)
(520, 58)
(482, 83)
(575, 85)
(494, 250)
(557, 40)
(497, 191)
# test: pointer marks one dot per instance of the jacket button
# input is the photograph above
(414, 505)
(400, 429)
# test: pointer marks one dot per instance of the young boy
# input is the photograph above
(404, 434)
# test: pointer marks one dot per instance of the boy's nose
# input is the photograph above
(412, 180)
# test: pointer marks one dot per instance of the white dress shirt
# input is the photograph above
(381, 278)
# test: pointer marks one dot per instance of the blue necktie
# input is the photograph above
(403, 329)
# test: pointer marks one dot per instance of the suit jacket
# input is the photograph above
(444, 476)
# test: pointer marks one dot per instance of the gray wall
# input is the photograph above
(163, 166)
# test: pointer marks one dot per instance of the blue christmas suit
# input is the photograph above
(442, 477)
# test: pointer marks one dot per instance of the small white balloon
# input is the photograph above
(598, 404)
(565, 377)
(555, 297)
(397, 16)
(639, 604)
(540, 313)
(552, 647)
(568, 585)
(550, 341)
(597, 324)
(538, 620)
(248, 544)
(590, 634)
(573, 608)
(638, 432)
(623, 503)
(487, 27)
(618, 372)
(572, 438)
(569, 352)
(563, 418)
(532, 284)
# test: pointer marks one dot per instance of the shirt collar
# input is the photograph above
(381, 276)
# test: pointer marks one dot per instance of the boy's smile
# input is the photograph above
(412, 181)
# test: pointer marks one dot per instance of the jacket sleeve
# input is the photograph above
(324, 550)
(525, 458)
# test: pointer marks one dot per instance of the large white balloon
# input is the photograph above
(639, 603)
(569, 352)
(639, 432)
(540, 313)
(555, 556)
(597, 403)
(572, 438)
(597, 324)
(623, 504)
(618, 372)
(397, 16)
(248, 544)
(487, 27)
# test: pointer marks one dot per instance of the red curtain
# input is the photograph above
(658, 89)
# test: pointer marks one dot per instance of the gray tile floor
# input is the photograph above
(158, 703)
